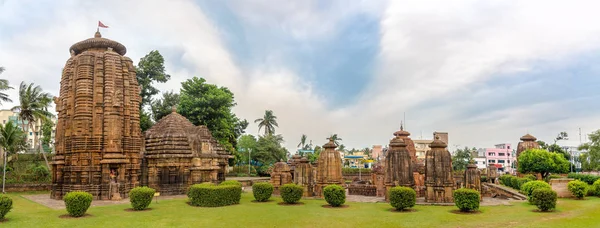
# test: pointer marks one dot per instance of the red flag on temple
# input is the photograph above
(101, 25)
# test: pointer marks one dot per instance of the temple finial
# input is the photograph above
(401, 126)
(173, 108)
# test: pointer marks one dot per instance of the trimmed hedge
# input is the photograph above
(5, 205)
(530, 177)
(231, 182)
(402, 197)
(544, 199)
(513, 182)
(466, 199)
(262, 191)
(141, 197)
(578, 188)
(588, 178)
(335, 195)
(530, 186)
(77, 202)
(210, 195)
(596, 188)
(291, 193)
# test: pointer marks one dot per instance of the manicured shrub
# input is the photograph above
(231, 182)
(402, 197)
(596, 188)
(521, 182)
(5, 205)
(335, 195)
(291, 193)
(551, 176)
(514, 182)
(530, 177)
(466, 199)
(210, 195)
(77, 202)
(262, 191)
(530, 186)
(544, 199)
(578, 188)
(588, 178)
(141, 197)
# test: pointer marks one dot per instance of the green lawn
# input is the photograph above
(176, 213)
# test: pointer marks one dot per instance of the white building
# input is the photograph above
(6, 115)
(479, 158)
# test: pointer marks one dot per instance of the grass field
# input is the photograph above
(176, 213)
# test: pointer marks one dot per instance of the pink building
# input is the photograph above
(502, 156)
(376, 152)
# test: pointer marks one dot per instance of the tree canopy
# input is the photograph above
(150, 69)
(12, 139)
(163, 106)
(210, 105)
(542, 161)
(269, 150)
(590, 161)
(461, 158)
(4, 86)
(269, 122)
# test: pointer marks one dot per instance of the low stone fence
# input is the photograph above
(559, 185)
(363, 190)
(27, 187)
(351, 177)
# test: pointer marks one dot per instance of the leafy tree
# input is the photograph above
(269, 150)
(12, 138)
(555, 148)
(164, 106)
(342, 148)
(269, 122)
(461, 159)
(245, 144)
(47, 135)
(543, 162)
(313, 157)
(4, 86)
(302, 141)
(150, 69)
(590, 161)
(33, 106)
(210, 105)
(367, 151)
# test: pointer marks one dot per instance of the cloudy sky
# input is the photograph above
(487, 71)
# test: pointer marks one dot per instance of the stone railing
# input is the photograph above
(363, 190)
(27, 187)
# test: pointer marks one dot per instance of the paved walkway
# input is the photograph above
(44, 199)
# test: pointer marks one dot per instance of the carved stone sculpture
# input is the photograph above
(303, 175)
(473, 177)
(398, 165)
(179, 154)
(98, 129)
(439, 181)
(281, 175)
(329, 168)
(492, 173)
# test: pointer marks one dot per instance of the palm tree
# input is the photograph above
(335, 139)
(302, 141)
(368, 151)
(4, 86)
(269, 122)
(33, 106)
(12, 140)
(342, 148)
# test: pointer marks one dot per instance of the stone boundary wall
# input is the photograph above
(27, 187)
(559, 185)
(351, 177)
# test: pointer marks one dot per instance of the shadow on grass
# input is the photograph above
(132, 210)
(341, 206)
(465, 212)
(68, 216)
(290, 204)
(256, 201)
(540, 211)
(408, 210)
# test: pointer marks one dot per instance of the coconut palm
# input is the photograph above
(368, 151)
(4, 86)
(33, 106)
(269, 122)
(335, 139)
(302, 141)
(12, 140)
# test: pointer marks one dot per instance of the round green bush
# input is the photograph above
(578, 188)
(210, 195)
(231, 182)
(544, 199)
(402, 197)
(521, 182)
(77, 202)
(596, 188)
(466, 199)
(530, 186)
(291, 193)
(5, 205)
(262, 191)
(335, 195)
(530, 177)
(141, 197)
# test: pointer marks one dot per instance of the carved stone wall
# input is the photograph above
(281, 175)
(179, 154)
(98, 135)
(303, 175)
(439, 181)
(329, 168)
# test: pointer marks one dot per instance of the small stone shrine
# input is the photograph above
(303, 175)
(472, 178)
(527, 142)
(439, 181)
(398, 165)
(329, 168)
(179, 154)
(492, 174)
(280, 175)
(98, 136)
(378, 178)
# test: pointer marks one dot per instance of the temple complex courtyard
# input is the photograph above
(176, 213)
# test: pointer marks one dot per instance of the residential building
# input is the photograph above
(376, 152)
(502, 155)
(422, 145)
(7, 115)
(572, 147)
(479, 158)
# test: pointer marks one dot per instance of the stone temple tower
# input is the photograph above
(398, 165)
(439, 182)
(98, 135)
(329, 168)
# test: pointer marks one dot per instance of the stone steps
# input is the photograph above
(504, 191)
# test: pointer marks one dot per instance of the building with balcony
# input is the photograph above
(502, 155)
